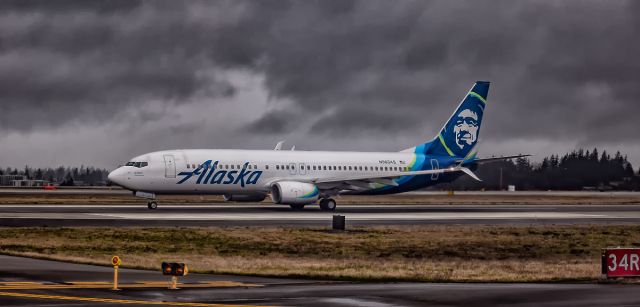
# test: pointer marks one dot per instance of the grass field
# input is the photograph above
(420, 253)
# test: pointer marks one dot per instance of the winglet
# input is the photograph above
(279, 145)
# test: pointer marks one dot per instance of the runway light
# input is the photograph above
(116, 262)
(174, 269)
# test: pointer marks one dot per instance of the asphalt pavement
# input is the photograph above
(33, 282)
(231, 214)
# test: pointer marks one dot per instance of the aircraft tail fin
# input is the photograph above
(459, 136)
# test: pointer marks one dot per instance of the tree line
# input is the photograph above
(64, 176)
(578, 170)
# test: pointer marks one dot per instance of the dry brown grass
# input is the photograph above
(424, 253)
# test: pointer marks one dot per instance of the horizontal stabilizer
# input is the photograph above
(470, 173)
(488, 160)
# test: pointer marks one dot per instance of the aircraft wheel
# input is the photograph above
(297, 207)
(323, 204)
(328, 204)
(152, 205)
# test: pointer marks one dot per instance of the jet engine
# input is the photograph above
(244, 197)
(294, 193)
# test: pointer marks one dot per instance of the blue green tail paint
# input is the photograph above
(460, 134)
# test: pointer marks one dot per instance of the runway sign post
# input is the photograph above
(621, 262)
(174, 269)
(116, 262)
(338, 222)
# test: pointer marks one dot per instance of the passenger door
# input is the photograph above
(303, 170)
(169, 166)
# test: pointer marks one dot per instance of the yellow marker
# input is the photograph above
(116, 262)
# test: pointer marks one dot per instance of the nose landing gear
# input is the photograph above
(152, 204)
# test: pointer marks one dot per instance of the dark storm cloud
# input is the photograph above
(560, 70)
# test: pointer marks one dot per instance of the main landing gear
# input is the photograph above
(328, 204)
(152, 204)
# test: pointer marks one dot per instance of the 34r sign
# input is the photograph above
(621, 262)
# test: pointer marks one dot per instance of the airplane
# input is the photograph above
(301, 178)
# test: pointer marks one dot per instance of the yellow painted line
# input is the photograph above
(12, 283)
(108, 285)
(111, 300)
(90, 282)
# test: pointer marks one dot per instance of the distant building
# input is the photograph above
(29, 183)
(7, 180)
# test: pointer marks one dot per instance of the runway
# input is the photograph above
(276, 215)
(32, 282)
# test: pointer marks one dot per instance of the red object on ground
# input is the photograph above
(49, 187)
(621, 262)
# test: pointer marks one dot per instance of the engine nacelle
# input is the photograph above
(294, 193)
(244, 197)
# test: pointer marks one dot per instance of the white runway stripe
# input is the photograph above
(350, 216)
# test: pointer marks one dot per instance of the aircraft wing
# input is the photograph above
(363, 182)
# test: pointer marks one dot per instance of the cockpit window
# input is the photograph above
(137, 164)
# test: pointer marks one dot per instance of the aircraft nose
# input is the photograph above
(116, 176)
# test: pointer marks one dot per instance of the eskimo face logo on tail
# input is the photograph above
(466, 128)
(208, 173)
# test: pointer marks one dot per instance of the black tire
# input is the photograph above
(152, 205)
(323, 204)
(331, 204)
(328, 204)
(297, 207)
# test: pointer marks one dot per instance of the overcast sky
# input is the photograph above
(98, 82)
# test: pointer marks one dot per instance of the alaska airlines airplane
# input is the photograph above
(299, 178)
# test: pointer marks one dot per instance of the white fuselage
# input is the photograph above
(248, 171)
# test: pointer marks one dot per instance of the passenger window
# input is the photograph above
(324, 167)
(287, 167)
(266, 166)
(255, 166)
(308, 167)
(188, 166)
(314, 167)
(277, 167)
